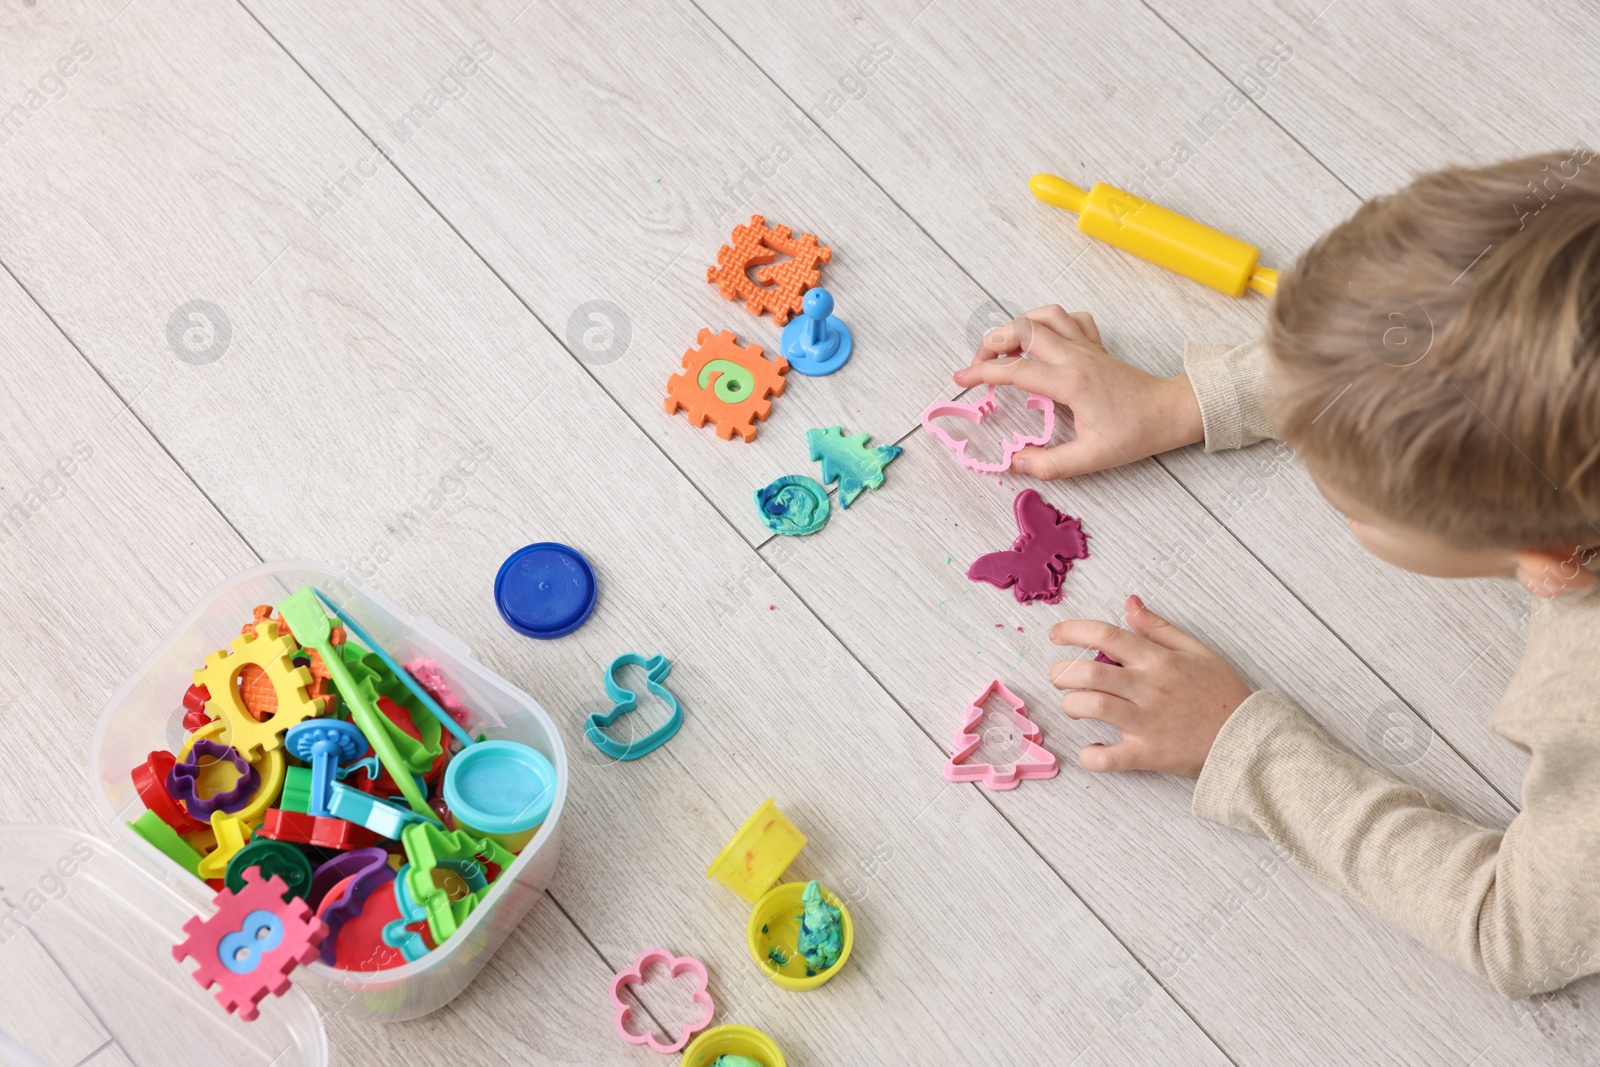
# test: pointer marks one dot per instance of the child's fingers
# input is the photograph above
(1122, 756)
(1026, 374)
(1158, 630)
(1073, 325)
(1067, 460)
(1114, 641)
(1092, 675)
(1101, 707)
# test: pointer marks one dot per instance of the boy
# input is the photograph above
(1435, 361)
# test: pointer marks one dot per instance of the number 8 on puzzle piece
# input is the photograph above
(251, 945)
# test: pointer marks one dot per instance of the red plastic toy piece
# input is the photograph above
(360, 945)
(727, 383)
(150, 781)
(194, 708)
(782, 285)
(385, 785)
(252, 944)
(319, 831)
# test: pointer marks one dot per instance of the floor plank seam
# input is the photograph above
(128, 407)
(1269, 116)
(482, 259)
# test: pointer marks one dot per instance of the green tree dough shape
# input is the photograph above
(850, 461)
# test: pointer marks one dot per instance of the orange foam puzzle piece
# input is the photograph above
(727, 383)
(781, 285)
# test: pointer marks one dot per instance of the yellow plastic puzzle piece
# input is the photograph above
(270, 652)
(232, 835)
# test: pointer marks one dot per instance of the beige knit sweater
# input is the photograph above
(1520, 906)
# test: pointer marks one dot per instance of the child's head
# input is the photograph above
(1436, 363)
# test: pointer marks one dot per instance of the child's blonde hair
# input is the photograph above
(1437, 356)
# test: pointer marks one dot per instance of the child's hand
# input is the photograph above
(1121, 413)
(1169, 698)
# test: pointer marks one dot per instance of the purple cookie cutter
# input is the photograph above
(976, 413)
(368, 870)
(183, 781)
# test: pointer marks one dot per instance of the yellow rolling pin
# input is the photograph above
(1162, 237)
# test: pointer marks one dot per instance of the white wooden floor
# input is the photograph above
(390, 317)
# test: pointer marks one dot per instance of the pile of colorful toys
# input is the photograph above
(316, 764)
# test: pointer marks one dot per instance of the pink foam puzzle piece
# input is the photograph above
(976, 413)
(1035, 761)
(634, 975)
(263, 937)
(1039, 559)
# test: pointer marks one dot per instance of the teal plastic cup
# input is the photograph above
(501, 790)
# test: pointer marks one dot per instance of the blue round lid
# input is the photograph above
(500, 787)
(545, 590)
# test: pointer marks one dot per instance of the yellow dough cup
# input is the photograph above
(757, 855)
(775, 923)
(1160, 236)
(746, 1041)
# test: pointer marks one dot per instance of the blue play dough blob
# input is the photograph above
(545, 590)
(794, 505)
(821, 938)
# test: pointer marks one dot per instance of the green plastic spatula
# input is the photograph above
(313, 629)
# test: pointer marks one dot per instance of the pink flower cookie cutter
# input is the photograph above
(634, 975)
(976, 413)
(1035, 762)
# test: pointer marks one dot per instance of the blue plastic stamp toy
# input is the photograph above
(816, 343)
(850, 461)
(626, 700)
(545, 590)
(794, 505)
(324, 743)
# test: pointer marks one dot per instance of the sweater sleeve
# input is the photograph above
(1516, 906)
(1230, 382)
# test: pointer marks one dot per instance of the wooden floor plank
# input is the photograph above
(384, 401)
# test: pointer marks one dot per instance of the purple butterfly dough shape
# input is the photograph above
(979, 411)
(1039, 559)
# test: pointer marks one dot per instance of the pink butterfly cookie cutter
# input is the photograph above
(1035, 761)
(634, 976)
(976, 413)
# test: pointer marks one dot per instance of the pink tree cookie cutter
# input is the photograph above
(634, 975)
(1035, 761)
(976, 413)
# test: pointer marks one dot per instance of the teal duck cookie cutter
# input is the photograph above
(625, 700)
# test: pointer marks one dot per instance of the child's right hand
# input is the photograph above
(1121, 414)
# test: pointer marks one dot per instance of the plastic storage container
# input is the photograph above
(86, 929)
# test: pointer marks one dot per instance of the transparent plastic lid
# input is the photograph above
(87, 975)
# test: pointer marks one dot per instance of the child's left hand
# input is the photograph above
(1169, 698)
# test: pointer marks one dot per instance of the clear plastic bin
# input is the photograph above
(102, 942)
